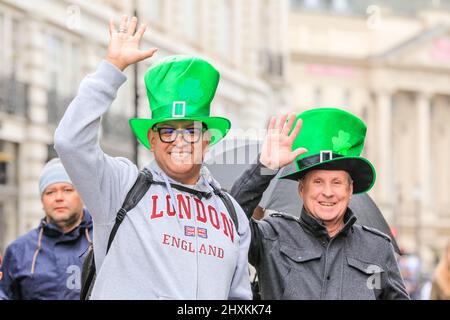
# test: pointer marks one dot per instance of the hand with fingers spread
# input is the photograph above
(277, 146)
(123, 49)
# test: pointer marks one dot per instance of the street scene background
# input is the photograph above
(387, 62)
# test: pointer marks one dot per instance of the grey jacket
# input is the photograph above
(296, 259)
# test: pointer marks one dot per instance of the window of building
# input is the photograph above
(8, 165)
(16, 47)
(56, 68)
(63, 74)
(13, 96)
(11, 35)
(3, 172)
(8, 192)
(2, 230)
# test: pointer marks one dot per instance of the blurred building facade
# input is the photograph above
(48, 46)
(390, 66)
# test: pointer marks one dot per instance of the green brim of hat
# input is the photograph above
(217, 126)
(360, 169)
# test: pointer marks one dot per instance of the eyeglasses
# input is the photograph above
(169, 135)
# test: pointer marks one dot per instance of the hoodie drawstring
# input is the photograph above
(88, 237)
(172, 196)
(39, 246)
(207, 182)
(211, 189)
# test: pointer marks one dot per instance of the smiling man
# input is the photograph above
(45, 264)
(179, 241)
(323, 254)
(326, 196)
(174, 147)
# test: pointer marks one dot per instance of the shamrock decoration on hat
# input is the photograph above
(181, 88)
(334, 139)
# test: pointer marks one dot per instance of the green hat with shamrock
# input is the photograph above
(334, 139)
(181, 88)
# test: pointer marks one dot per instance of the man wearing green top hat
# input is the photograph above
(323, 254)
(180, 240)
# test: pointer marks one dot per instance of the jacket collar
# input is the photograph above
(52, 230)
(318, 229)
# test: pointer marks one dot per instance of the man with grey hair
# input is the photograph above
(323, 254)
(45, 263)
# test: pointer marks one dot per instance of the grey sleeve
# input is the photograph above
(101, 180)
(395, 287)
(248, 189)
(263, 238)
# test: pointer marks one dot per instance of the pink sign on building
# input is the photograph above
(441, 49)
(330, 70)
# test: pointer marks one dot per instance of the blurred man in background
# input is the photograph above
(45, 264)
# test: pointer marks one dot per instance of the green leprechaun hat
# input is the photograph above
(181, 88)
(334, 139)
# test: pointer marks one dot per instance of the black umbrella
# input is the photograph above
(231, 159)
(228, 159)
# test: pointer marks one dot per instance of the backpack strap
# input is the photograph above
(226, 199)
(137, 191)
(88, 274)
(254, 284)
(230, 207)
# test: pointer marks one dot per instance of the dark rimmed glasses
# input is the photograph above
(169, 135)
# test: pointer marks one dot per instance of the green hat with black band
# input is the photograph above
(181, 88)
(334, 139)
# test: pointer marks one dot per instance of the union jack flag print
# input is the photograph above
(189, 231)
(202, 232)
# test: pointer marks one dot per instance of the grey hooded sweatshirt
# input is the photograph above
(172, 245)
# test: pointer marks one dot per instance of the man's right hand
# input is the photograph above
(123, 49)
